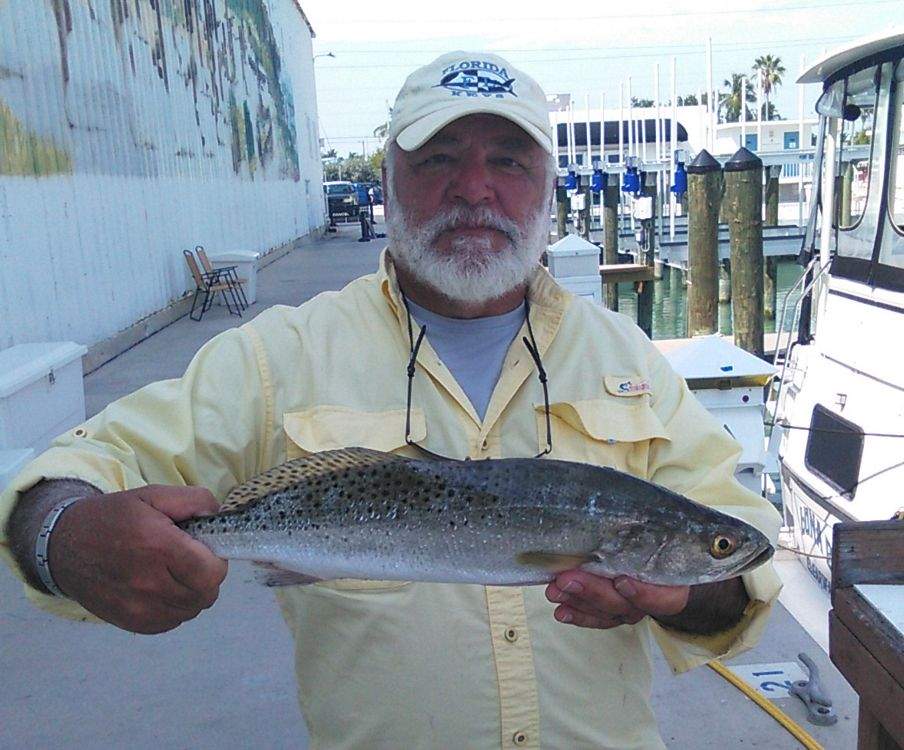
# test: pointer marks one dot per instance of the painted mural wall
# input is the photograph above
(132, 129)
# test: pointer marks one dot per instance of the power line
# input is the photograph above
(660, 52)
(660, 47)
(615, 17)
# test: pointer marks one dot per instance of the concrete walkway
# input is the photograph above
(225, 680)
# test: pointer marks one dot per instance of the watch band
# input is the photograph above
(42, 544)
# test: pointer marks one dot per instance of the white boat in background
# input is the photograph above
(838, 404)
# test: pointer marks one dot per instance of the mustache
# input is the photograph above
(464, 217)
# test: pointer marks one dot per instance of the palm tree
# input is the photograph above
(730, 103)
(770, 70)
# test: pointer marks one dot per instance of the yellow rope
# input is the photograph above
(797, 731)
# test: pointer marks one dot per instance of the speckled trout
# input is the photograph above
(359, 513)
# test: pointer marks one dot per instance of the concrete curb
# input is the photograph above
(111, 347)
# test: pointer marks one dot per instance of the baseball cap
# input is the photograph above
(466, 83)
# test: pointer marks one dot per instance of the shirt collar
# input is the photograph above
(548, 300)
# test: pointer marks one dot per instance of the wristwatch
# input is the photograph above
(42, 544)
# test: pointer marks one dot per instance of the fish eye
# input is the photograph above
(722, 546)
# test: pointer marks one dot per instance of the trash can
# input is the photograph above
(245, 262)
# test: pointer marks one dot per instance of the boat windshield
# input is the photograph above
(896, 176)
(862, 153)
(857, 132)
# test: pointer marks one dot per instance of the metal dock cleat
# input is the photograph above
(819, 705)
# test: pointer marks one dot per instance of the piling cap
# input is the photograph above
(742, 160)
(703, 164)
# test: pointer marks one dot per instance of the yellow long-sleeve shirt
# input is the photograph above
(413, 665)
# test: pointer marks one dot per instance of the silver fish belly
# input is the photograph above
(358, 513)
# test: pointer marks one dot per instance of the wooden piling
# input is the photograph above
(847, 182)
(724, 281)
(586, 212)
(610, 242)
(561, 211)
(704, 188)
(744, 201)
(645, 293)
(771, 220)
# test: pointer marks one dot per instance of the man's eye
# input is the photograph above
(508, 162)
(437, 159)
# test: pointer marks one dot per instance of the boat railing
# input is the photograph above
(811, 275)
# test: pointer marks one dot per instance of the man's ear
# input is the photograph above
(386, 189)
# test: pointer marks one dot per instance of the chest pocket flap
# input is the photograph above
(325, 428)
(608, 420)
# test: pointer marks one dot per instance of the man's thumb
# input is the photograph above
(179, 503)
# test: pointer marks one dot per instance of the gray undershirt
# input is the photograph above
(473, 349)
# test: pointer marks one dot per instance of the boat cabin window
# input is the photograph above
(896, 175)
(855, 151)
(834, 450)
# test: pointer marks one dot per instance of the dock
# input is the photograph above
(95, 687)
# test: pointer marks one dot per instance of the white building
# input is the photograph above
(132, 131)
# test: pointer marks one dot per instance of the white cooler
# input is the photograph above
(41, 393)
(246, 268)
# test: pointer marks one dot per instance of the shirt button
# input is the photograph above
(511, 635)
(485, 444)
(80, 432)
(519, 738)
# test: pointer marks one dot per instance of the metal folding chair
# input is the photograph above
(229, 272)
(210, 284)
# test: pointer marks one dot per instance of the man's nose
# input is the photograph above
(472, 182)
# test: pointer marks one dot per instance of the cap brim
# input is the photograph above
(419, 132)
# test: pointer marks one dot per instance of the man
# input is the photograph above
(383, 664)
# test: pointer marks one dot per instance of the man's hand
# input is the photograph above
(121, 557)
(591, 601)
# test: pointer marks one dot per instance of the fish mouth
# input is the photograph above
(755, 562)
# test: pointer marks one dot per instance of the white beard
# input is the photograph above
(471, 272)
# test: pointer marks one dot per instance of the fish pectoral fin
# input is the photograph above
(553, 562)
(269, 574)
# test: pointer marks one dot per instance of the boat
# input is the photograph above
(836, 410)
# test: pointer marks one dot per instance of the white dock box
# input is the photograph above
(573, 256)
(246, 268)
(729, 382)
(41, 393)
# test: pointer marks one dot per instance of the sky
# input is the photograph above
(587, 48)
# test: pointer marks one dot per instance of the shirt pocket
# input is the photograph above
(325, 428)
(612, 432)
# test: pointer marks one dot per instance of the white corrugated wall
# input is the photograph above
(132, 129)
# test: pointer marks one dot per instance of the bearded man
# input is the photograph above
(383, 664)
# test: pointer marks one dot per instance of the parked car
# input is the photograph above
(342, 199)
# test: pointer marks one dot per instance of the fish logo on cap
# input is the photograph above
(477, 78)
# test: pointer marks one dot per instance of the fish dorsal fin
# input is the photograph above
(304, 469)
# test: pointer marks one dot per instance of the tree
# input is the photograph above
(769, 70)
(691, 100)
(730, 103)
(635, 102)
(354, 167)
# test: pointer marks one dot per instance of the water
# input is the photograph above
(670, 302)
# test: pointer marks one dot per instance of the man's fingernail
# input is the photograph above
(625, 588)
(573, 587)
(566, 617)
